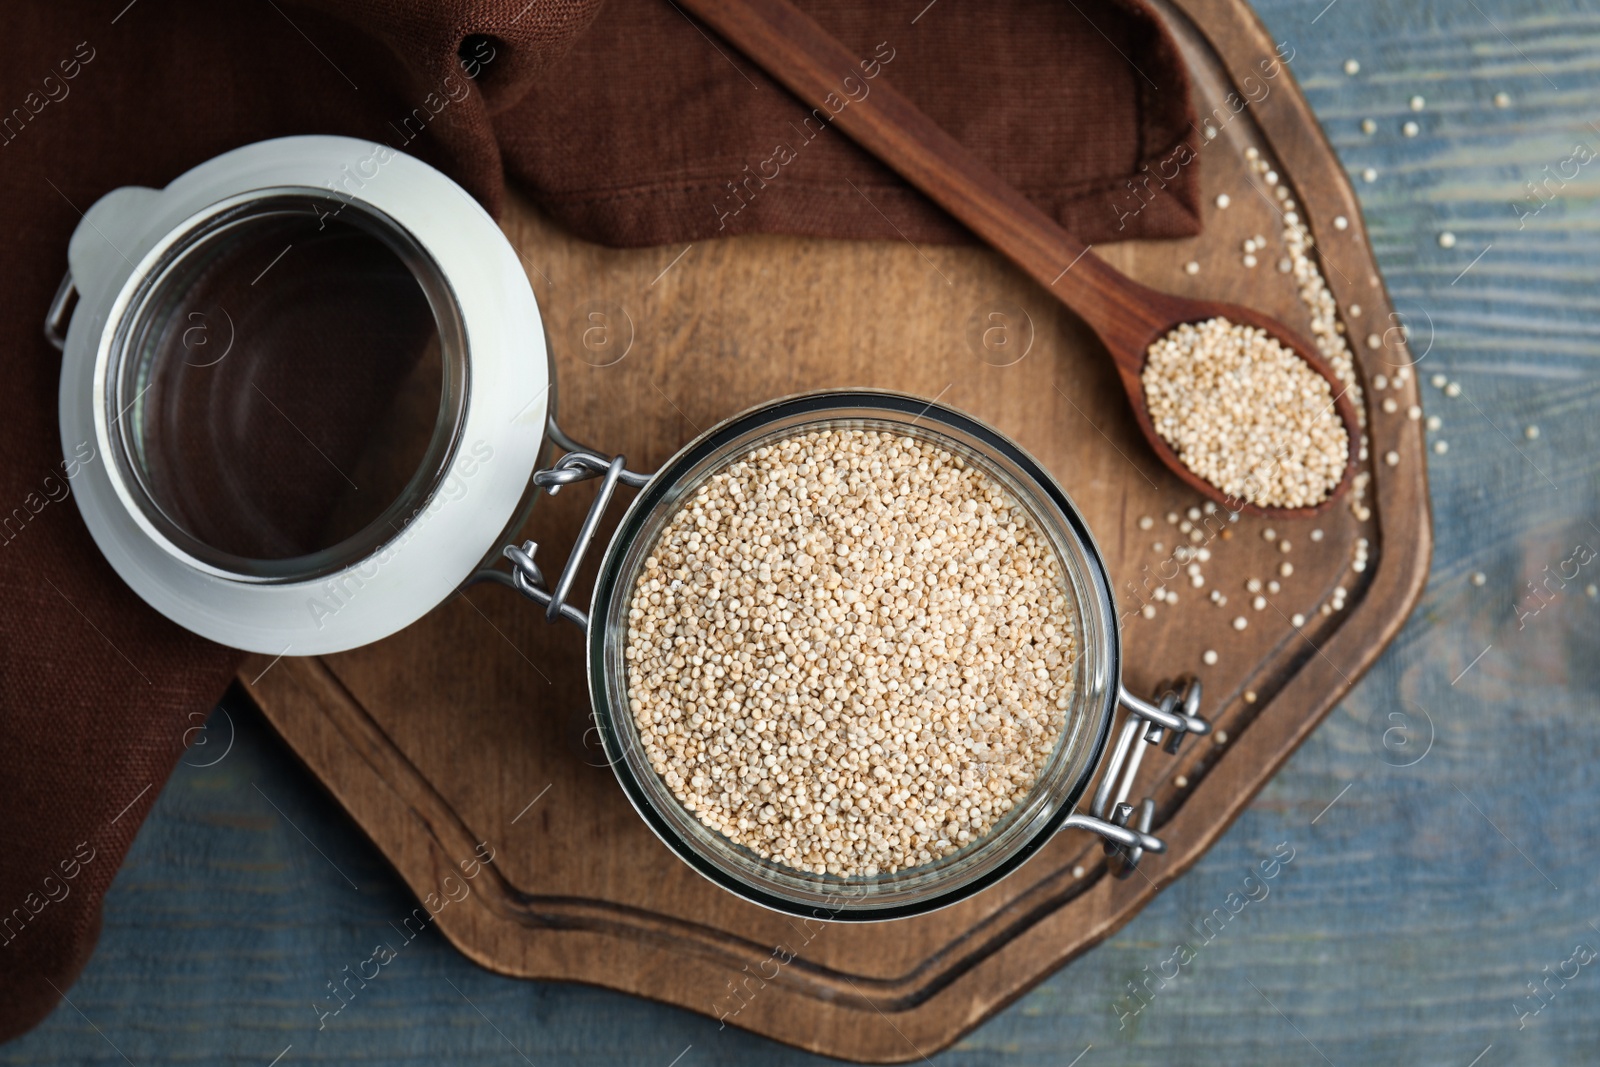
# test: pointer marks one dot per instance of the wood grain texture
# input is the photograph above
(469, 728)
(1407, 923)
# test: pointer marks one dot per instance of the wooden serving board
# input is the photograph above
(469, 733)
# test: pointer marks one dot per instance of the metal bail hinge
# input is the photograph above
(579, 464)
(1124, 827)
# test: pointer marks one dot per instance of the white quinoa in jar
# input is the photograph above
(850, 651)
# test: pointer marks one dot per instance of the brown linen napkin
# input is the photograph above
(639, 129)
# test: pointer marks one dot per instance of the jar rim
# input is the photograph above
(927, 887)
(150, 303)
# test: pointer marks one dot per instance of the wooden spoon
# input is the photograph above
(1127, 316)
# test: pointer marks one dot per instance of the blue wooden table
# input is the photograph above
(1442, 904)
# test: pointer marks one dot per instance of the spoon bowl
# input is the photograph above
(1129, 348)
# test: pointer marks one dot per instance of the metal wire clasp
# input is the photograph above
(579, 464)
(1165, 722)
(56, 319)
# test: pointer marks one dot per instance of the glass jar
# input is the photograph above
(397, 346)
(1079, 751)
(1021, 830)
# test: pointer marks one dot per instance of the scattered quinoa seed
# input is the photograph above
(850, 651)
(1351, 67)
(1328, 330)
(1447, 240)
(1479, 578)
(1531, 433)
(1369, 127)
(1417, 103)
(1222, 200)
(1341, 223)
(1210, 657)
(1502, 99)
(1191, 267)
(1441, 447)
(1410, 129)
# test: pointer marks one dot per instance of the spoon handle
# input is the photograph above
(813, 65)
